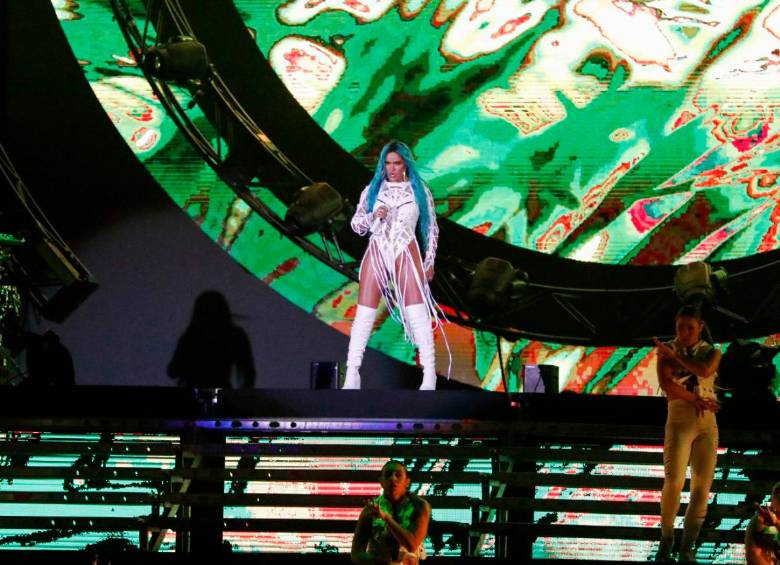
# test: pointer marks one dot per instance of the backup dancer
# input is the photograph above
(687, 368)
(392, 527)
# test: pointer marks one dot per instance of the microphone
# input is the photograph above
(377, 224)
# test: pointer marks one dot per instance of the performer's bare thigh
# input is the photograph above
(410, 275)
(369, 292)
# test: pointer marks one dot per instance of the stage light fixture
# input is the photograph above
(313, 207)
(182, 58)
(493, 284)
(698, 283)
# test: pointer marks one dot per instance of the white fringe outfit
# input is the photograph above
(395, 270)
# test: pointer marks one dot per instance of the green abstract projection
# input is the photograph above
(546, 128)
(551, 125)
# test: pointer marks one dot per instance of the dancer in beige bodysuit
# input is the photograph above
(687, 367)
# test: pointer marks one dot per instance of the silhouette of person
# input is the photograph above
(212, 347)
(49, 362)
(210, 352)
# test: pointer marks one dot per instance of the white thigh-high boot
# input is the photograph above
(358, 339)
(420, 323)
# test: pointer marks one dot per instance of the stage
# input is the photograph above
(154, 151)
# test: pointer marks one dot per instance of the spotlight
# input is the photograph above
(493, 283)
(181, 59)
(699, 283)
(312, 207)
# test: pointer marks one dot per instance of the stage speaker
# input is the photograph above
(324, 374)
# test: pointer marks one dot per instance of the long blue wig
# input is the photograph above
(417, 187)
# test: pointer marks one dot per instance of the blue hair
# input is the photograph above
(414, 178)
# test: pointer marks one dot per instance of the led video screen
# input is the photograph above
(141, 461)
(650, 155)
(620, 132)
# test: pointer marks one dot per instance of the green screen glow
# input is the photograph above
(573, 121)
(617, 131)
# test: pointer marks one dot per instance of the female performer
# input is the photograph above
(687, 368)
(397, 210)
(392, 527)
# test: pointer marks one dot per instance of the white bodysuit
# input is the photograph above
(689, 438)
(388, 246)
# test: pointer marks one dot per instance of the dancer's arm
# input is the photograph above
(754, 554)
(673, 390)
(409, 539)
(359, 553)
(664, 370)
(701, 368)
(361, 221)
(432, 237)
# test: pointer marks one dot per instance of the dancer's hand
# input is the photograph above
(664, 351)
(713, 405)
(766, 517)
(376, 511)
(706, 404)
(429, 274)
(380, 213)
